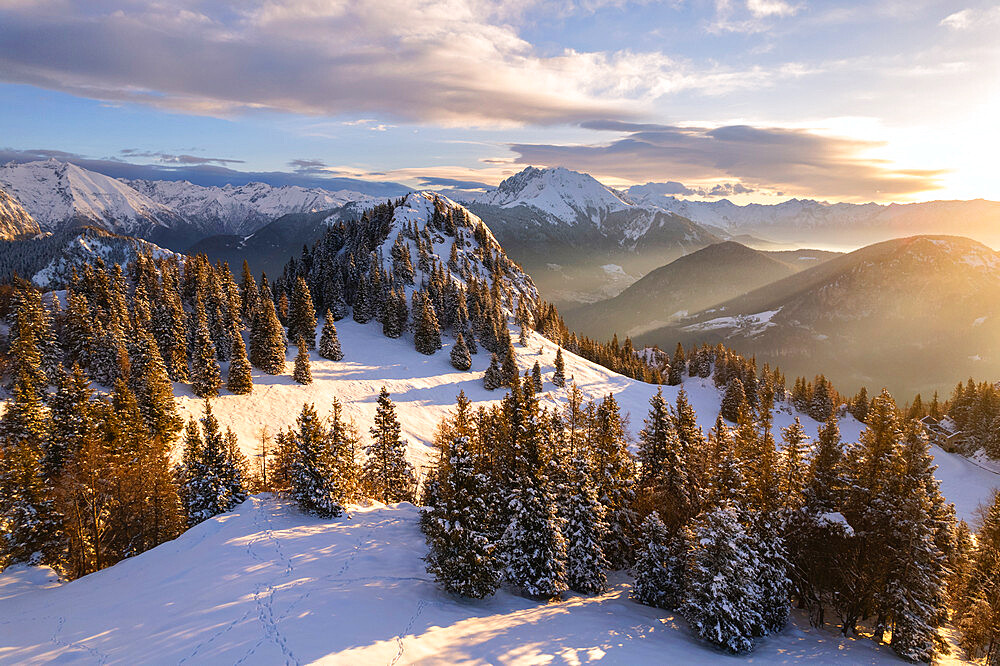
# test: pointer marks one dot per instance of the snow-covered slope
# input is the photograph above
(568, 196)
(268, 585)
(59, 195)
(15, 221)
(86, 247)
(240, 209)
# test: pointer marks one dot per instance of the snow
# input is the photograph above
(56, 192)
(244, 208)
(424, 389)
(87, 247)
(747, 324)
(837, 518)
(266, 584)
(614, 270)
(979, 321)
(566, 195)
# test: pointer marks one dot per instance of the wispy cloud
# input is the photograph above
(796, 161)
(172, 158)
(449, 62)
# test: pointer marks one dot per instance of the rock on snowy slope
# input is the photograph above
(240, 209)
(15, 221)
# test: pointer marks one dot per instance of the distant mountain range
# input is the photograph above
(914, 313)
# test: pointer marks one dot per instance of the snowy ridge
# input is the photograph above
(241, 209)
(567, 196)
(87, 247)
(15, 221)
(58, 194)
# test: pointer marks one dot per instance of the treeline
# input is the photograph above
(727, 528)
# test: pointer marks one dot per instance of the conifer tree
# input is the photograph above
(460, 358)
(302, 372)
(721, 601)
(329, 343)
(824, 481)
(240, 377)
(426, 331)
(211, 475)
(153, 389)
(493, 378)
(614, 473)
(732, 399)
(71, 422)
(267, 339)
(585, 532)
(395, 313)
(249, 295)
(312, 474)
(206, 377)
(302, 315)
(794, 464)
(387, 473)
(559, 376)
(654, 581)
(508, 361)
(460, 555)
(536, 377)
(677, 366)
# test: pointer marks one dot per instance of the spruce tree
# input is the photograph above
(206, 377)
(395, 313)
(426, 331)
(329, 343)
(536, 377)
(614, 473)
(653, 580)
(312, 473)
(387, 473)
(302, 372)
(677, 367)
(460, 555)
(732, 399)
(493, 378)
(267, 339)
(71, 420)
(721, 600)
(585, 532)
(460, 358)
(302, 315)
(240, 377)
(153, 390)
(559, 376)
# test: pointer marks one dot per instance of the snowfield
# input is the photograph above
(266, 584)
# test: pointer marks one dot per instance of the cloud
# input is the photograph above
(674, 188)
(967, 19)
(435, 182)
(170, 158)
(751, 16)
(303, 165)
(762, 8)
(792, 160)
(208, 174)
(450, 62)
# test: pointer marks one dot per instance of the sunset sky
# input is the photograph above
(756, 100)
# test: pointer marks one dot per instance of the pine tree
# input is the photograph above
(206, 377)
(493, 378)
(312, 473)
(267, 339)
(460, 555)
(302, 373)
(732, 399)
(302, 315)
(654, 582)
(329, 343)
(677, 367)
(585, 532)
(426, 331)
(460, 358)
(388, 474)
(559, 376)
(721, 603)
(240, 377)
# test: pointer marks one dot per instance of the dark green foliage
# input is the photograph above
(387, 473)
(559, 375)
(426, 331)
(460, 358)
(329, 343)
(302, 315)
(206, 377)
(240, 378)
(493, 378)
(313, 474)
(732, 399)
(267, 339)
(302, 372)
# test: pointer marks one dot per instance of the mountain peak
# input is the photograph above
(569, 196)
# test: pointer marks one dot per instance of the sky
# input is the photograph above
(754, 100)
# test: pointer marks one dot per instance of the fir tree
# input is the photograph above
(536, 377)
(721, 601)
(395, 313)
(302, 373)
(426, 331)
(240, 377)
(71, 420)
(387, 472)
(677, 367)
(302, 315)
(206, 378)
(153, 389)
(460, 358)
(585, 532)
(460, 555)
(329, 343)
(312, 473)
(267, 339)
(654, 581)
(732, 400)
(614, 473)
(493, 378)
(559, 376)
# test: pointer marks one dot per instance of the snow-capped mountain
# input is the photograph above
(240, 209)
(15, 221)
(567, 196)
(60, 195)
